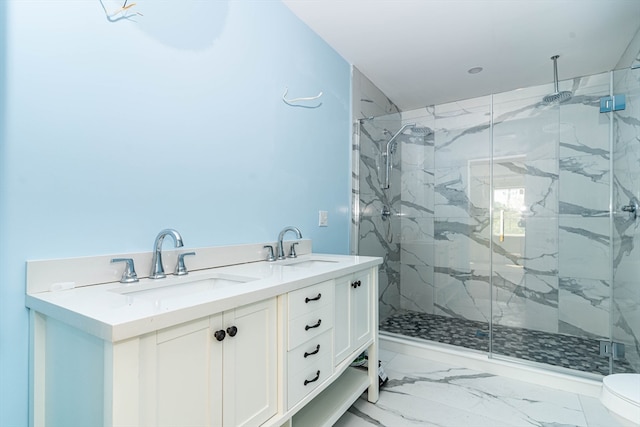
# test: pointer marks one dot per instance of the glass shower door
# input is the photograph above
(524, 242)
(550, 236)
(625, 314)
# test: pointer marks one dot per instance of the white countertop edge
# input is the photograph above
(87, 308)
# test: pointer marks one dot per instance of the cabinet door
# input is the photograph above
(177, 372)
(249, 366)
(342, 319)
(361, 308)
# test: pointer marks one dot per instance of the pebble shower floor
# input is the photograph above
(567, 351)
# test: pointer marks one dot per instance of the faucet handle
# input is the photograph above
(181, 269)
(129, 275)
(270, 256)
(292, 250)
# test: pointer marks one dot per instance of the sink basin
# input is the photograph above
(310, 263)
(183, 288)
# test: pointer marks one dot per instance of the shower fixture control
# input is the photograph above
(632, 208)
(386, 213)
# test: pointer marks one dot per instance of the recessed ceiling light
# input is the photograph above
(474, 70)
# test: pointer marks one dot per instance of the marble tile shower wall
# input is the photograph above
(551, 178)
(551, 183)
(626, 232)
(372, 235)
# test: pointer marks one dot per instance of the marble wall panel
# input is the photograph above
(584, 306)
(584, 248)
(525, 297)
(417, 193)
(541, 244)
(538, 178)
(584, 185)
(370, 234)
(462, 292)
(461, 267)
(367, 101)
(459, 242)
(524, 126)
(452, 194)
(417, 290)
(388, 290)
(417, 244)
(462, 132)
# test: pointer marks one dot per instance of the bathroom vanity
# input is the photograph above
(237, 342)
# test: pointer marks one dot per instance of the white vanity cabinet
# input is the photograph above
(309, 326)
(217, 371)
(270, 352)
(353, 313)
(177, 376)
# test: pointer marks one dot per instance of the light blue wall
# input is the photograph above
(115, 130)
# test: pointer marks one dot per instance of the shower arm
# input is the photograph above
(555, 73)
(388, 154)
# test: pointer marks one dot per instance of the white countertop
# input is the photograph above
(115, 311)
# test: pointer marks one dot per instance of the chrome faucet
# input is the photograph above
(157, 270)
(281, 236)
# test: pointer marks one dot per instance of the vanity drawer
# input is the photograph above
(309, 325)
(306, 355)
(305, 381)
(310, 298)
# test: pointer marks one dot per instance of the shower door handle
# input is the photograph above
(501, 225)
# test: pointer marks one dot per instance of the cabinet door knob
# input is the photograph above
(356, 284)
(313, 352)
(232, 331)
(306, 328)
(314, 379)
(306, 300)
(219, 335)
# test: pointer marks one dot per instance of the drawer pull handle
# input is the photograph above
(306, 328)
(219, 335)
(306, 300)
(356, 284)
(232, 331)
(313, 380)
(313, 352)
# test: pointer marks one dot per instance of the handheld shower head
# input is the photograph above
(389, 149)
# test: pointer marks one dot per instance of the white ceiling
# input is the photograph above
(418, 51)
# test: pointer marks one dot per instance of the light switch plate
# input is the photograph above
(323, 218)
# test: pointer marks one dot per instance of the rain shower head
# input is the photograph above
(420, 131)
(556, 96)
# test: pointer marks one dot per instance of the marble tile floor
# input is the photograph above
(567, 351)
(422, 392)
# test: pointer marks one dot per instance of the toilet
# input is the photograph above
(621, 395)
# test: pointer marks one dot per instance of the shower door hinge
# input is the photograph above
(613, 103)
(613, 349)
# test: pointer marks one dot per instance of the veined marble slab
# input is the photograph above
(428, 393)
